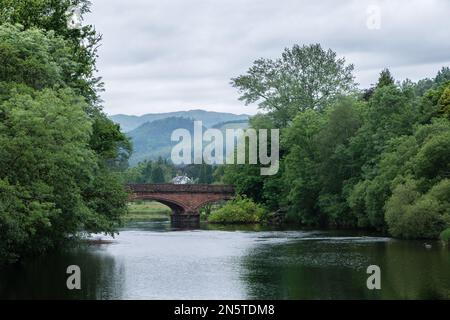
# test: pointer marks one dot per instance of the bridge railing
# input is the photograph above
(168, 187)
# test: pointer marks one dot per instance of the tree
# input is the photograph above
(206, 174)
(157, 175)
(442, 76)
(51, 15)
(385, 79)
(306, 77)
(51, 53)
(49, 174)
(367, 160)
(412, 215)
(444, 101)
(57, 148)
(302, 168)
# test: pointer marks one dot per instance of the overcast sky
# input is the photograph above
(170, 55)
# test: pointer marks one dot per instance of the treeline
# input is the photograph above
(376, 158)
(163, 171)
(60, 156)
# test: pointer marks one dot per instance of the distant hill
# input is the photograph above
(152, 139)
(209, 118)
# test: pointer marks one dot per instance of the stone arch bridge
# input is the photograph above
(185, 200)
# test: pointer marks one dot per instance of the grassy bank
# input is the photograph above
(147, 210)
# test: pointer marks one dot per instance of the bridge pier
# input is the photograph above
(185, 220)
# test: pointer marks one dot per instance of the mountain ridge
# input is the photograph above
(209, 118)
(151, 139)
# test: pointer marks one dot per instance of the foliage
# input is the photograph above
(239, 210)
(385, 79)
(374, 160)
(306, 77)
(150, 172)
(52, 179)
(445, 235)
(163, 171)
(82, 42)
(60, 156)
(412, 215)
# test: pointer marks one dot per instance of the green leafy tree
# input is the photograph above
(157, 175)
(305, 77)
(50, 175)
(302, 168)
(385, 79)
(58, 151)
(82, 41)
(412, 215)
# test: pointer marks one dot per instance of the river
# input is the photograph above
(149, 260)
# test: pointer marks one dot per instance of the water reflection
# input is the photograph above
(45, 277)
(336, 269)
(154, 261)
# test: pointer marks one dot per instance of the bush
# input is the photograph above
(445, 235)
(239, 210)
(412, 215)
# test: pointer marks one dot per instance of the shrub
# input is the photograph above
(239, 210)
(445, 235)
(412, 215)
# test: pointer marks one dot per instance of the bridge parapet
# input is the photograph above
(181, 188)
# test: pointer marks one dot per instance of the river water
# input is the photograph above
(149, 260)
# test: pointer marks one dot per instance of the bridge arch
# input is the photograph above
(183, 199)
(175, 206)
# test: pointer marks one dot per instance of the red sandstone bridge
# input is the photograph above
(185, 200)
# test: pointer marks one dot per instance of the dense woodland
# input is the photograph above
(376, 158)
(60, 156)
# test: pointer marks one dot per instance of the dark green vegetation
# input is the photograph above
(445, 235)
(209, 118)
(162, 171)
(60, 156)
(377, 158)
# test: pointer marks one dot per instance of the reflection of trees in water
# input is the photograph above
(327, 270)
(45, 277)
(414, 272)
(303, 270)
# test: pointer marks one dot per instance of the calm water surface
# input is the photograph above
(150, 261)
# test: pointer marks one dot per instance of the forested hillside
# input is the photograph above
(209, 118)
(152, 139)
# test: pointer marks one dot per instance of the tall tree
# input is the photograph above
(58, 148)
(305, 77)
(83, 40)
(157, 175)
(385, 79)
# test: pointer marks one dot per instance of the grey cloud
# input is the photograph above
(161, 55)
